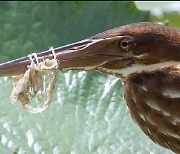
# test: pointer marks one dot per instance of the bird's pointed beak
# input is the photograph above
(85, 54)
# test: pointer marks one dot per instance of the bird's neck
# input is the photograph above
(139, 68)
(153, 99)
(127, 71)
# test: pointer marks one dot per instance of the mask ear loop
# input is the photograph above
(51, 65)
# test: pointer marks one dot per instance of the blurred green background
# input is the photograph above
(88, 114)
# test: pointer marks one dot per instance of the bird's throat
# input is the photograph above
(139, 68)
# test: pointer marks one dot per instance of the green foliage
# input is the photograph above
(172, 18)
(35, 26)
(164, 12)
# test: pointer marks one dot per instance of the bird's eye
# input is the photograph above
(126, 43)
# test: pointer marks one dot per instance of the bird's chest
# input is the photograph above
(154, 103)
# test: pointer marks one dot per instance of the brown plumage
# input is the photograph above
(146, 57)
(153, 108)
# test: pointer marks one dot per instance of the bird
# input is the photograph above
(145, 56)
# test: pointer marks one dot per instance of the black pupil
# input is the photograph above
(124, 44)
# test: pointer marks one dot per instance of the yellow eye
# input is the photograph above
(127, 43)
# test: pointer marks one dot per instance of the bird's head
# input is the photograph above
(119, 51)
(139, 47)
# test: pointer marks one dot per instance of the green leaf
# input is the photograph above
(172, 18)
(162, 12)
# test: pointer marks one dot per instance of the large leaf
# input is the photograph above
(88, 114)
